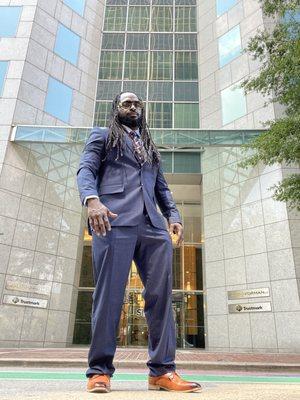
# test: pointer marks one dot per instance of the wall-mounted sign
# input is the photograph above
(248, 293)
(24, 301)
(249, 307)
(20, 285)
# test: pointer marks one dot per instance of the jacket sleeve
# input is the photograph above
(164, 199)
(90, 161)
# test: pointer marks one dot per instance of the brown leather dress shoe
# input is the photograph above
(98, 384)
(172, 382)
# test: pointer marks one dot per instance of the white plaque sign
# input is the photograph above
(249, 307)
(248, 293)
(24, 301)
(19, 285)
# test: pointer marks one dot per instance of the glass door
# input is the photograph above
(133, 330)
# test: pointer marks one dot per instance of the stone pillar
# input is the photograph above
(41, 222)
(250, 239)
(248, 244)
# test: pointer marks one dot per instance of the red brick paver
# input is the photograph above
(141, 355)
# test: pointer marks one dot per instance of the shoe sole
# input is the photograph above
(98, 390)
(155, 387)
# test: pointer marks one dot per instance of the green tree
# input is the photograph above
(278, 50)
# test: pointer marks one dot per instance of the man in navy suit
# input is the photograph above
(120, 180)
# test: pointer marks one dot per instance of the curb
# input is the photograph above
(204, 365)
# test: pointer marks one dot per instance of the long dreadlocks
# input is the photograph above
(116, 134)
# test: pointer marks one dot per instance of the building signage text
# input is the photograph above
(24, 301)
(249, 307)
(19, 285)
(248, 293)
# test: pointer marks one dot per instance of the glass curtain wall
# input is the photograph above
(187, 296)
(150, 47)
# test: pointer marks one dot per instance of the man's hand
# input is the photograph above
(98, 216)
(176, 229)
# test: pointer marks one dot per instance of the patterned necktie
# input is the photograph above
(138, 146)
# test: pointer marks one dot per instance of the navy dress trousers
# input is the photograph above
(132, 190)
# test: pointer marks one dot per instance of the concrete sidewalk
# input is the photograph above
(23, 383)
(123, 391)
(137, 358)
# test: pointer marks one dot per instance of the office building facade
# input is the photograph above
(236, 277)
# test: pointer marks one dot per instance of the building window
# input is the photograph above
(137, 41)
(136, 63)
(161, 65)
(167, 165)
(115, 18)
(160, 115)
(116, 2)
(102, 112)
(111, 65)
(138, 18)
(187, 163)
(233, 104)
(107, 90)
(184, 41)
(161, 2)
(186, 91)
(185, 18)
(186, 115)
(229, 46)
(150, 48)
(186, 67)
(3, 71)
(185, 2)
(9, 20)
(162, 19)
(67, 44)
(139, 88)
(76, 5)
(113, 41)
(291, 19)
(160, 91)
(58, 100)
(162, 41)
(291, 16)
(224, 5)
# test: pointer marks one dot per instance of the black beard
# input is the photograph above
(132, 123)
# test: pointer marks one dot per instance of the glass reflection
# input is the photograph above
(224, 5)
(67, 44)
(58, 100)
(233, 104)
(9, 20)
(229, 46)
(3, 70)
(76, 5)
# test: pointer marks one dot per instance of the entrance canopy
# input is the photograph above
(180, 149)
(175, 138)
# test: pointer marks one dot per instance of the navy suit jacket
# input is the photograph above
(123, 185)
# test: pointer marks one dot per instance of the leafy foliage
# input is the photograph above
(278, 51)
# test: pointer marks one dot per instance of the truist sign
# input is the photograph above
(249, 307)
(249, 294)
(24, 301)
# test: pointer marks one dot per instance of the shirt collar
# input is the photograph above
(127, 129)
